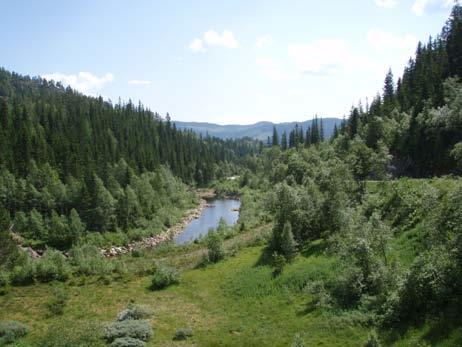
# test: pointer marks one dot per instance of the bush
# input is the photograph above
(88, 260)
(65, 334)
(24, 272)
(58, 301)
(215, 248)
(11, 331)
(182, 334)
(278, 262)
(4, 281)
(134, 312)
(137, 329)
(137, 253)
(164, 277)
(127, 342)
(372, 340)
(52, 266)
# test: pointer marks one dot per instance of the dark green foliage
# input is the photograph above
(419, 119)
(288, 245)
(182, 334)
(4, 281)
(164, 277)
(11, 331)
(58, 301)
(137, 329)
(278, 262)
(73, 164)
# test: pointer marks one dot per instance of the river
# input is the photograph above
(210, 217)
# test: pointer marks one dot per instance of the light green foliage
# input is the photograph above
(215, 250)
(127, 342)
(65, 333)
(163, 277)
(58, 301)
(88, 260)
(298, 341)
(372, 340)
(137, 329)
(182, 334)
(23, 272)
(11, 331)
(52, 266)
(135, 311)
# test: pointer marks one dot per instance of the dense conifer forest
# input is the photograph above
(72, 163)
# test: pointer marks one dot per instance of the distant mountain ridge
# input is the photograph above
(260, 130)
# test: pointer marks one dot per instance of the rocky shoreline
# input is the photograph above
(153, 241)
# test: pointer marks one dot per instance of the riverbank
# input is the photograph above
(166, 235)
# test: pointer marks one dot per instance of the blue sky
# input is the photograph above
(227, 62)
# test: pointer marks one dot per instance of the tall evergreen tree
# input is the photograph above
(275, 141)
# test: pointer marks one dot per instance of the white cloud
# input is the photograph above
(84, 82)
(213, 38)
(263, 41)
(386, 3)
(320, 57)
(269, 68)
(383, 41)
(227, 39)
(197, 45)
(139, 82)
(420, 7)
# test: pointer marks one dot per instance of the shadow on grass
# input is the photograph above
(265, 257)
(313, 248)
(443, 328)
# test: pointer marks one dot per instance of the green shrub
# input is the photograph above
(58, 301)
(52, 266)
(127, 342)
(66, 334)
(164, 277)
(11, 331)
(24, 272)
(278, 262)
(88, 260)
(298, 341)
(137, 253)
(182, 334)
(134, 311)
(372, 340)
(137, 329)
(215, 250)
(4, 281)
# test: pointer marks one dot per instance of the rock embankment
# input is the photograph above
(153, 241)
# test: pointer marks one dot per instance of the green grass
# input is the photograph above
(233, 303)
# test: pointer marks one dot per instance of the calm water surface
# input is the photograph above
(209, 219)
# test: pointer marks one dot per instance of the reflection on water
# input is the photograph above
(226, 209)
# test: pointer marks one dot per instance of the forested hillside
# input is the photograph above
(419, 117)
(70, 163)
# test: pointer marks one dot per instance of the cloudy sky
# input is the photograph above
(226, 62)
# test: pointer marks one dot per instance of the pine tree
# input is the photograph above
(288, 245)
(284, 141)
(275, 137)
(4, 113)
(76, 226)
